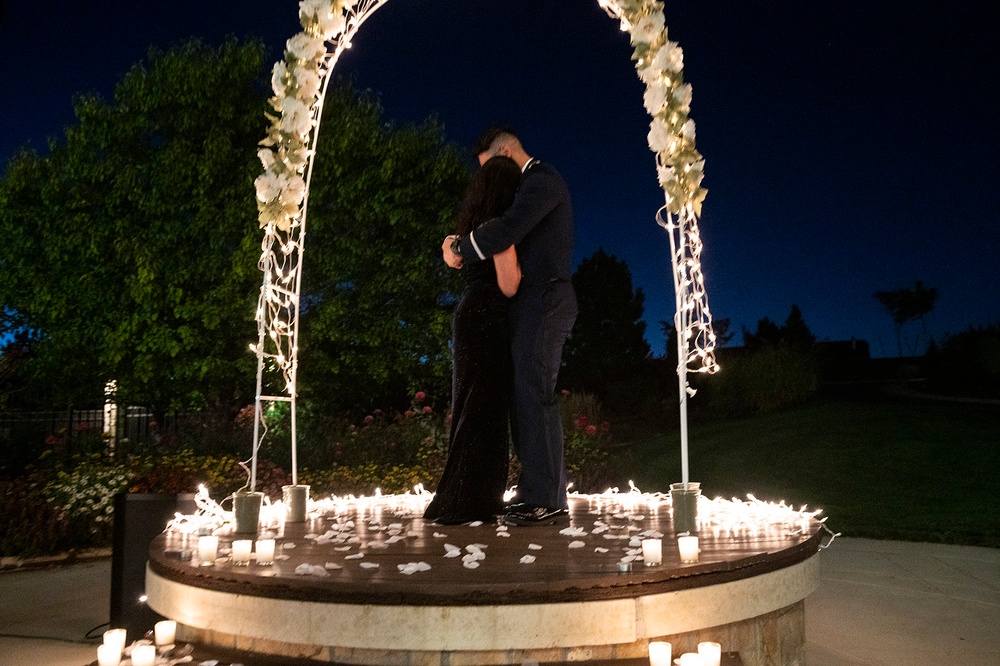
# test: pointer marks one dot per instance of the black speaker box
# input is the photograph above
(139, 518)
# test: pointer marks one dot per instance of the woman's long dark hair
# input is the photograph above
(490, 193)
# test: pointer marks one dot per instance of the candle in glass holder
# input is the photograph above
(652, 552)
(711, 653)
(208, 549)
(108, 655)
(265, 551)
(659, 653)
(164, 632)
(241, 551)
(692, 659)
(144, 655)
(688, 546)
(115, 637)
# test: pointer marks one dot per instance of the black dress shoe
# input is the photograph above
(531, 514)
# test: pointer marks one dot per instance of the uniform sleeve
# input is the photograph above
(538, 195)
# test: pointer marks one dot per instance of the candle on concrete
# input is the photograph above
(241, 551)
(652, 552)
(688, 546)
(691, 659)
(265, 551)
(208, 549)
(711, 653)
(660, 653)
(164, 632)
(144, 655)
(108, 655)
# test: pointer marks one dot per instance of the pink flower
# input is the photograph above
(369, 418)
(408, 413)
(581, 422)
(377, 411)
(565, 391)
(419, 396)
(427, 409)
(591, 430)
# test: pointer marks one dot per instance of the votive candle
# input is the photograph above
(660, 653)
(692, 659)
(108, 655)
(164, 632)
(144, 655)
(116, 639)
(652, 552)
(711, 653)
(688, 546)
(265, 551)
(241, 551)
(208, 549)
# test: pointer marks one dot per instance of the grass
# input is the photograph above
(880, 467)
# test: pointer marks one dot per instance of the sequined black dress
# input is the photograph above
(475, 476)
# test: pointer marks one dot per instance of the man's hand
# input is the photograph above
(450, 258)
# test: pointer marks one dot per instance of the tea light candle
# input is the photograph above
(688, 546)
(208, 549)
(711, 653)
(265, 551)
(164, 632)
(660, 653)
(692, 659)
(115, 638)
(144, 655)
(108, 655)
(652, 552)
(241, 551)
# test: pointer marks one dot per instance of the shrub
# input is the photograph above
(587, 437)
(763, 380)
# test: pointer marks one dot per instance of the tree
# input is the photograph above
(905, 305)
(131, 251)
(794, 333)
(376, 323)
(608, 342)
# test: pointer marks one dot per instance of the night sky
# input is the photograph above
(851, 146)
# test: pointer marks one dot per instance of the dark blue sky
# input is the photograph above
(850, 147)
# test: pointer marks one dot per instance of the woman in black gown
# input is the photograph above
(475, 475)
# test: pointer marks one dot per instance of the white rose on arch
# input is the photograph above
(648, 28)
(266, 157)
(269, 186)
(313, 9)
(278, 77)
(669, 58)
(306, 47)
(682, 95)
(660, 139)
(296, 117)
(332, 24)
(307, 81)
(293, 192)
(655, 97)
(688, 133)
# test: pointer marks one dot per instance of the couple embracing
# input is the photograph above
(514, 247)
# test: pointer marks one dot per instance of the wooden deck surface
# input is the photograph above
(567, 566)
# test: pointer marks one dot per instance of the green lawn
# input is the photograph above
(882, 468)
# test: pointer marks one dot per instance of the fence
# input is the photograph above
(26, 435)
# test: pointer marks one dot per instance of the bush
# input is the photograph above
(763, 380)
(587, 437)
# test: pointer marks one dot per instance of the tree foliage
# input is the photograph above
(793, 333)
(131, 249)
(608, 343)
(376, 293)
(908, 304)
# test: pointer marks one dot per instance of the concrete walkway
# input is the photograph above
(879, 603)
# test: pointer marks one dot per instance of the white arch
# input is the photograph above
(300, 81)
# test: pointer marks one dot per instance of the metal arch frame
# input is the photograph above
(280, 323)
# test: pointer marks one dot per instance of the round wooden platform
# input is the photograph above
(541, 593)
